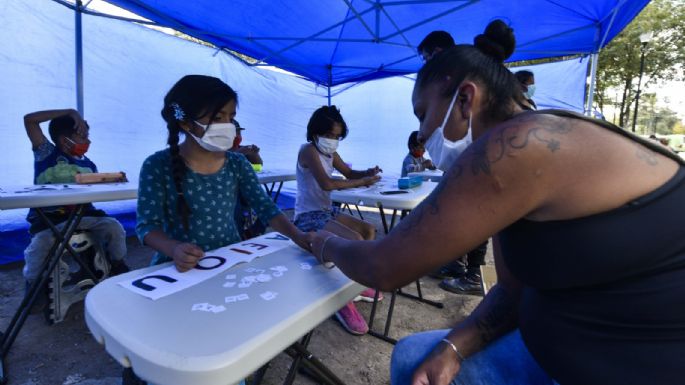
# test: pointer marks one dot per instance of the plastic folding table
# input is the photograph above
(38, 197)
(166, 343)
(386, 195)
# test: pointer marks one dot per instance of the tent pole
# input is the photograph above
(593, 75)
(330, 81)
(79, 58)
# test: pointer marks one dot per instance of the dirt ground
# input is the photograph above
(67, 354)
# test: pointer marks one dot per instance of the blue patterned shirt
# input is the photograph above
(212, 199)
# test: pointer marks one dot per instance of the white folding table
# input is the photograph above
(165, 343)
(38, 197)
(271, 178)
(386, 195)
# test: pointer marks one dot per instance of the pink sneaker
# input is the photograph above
(367, 295)
(351, 320)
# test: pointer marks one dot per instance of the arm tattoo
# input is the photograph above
(499, 315)
(502, 140)
(430, 204)
(484, 153)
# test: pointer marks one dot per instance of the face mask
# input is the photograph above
(443, 151)
(218, 137)
(531, 91)
(417, 153)
(237, 141)
(327, 146)
(78, 149)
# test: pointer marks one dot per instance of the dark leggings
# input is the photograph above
(476, 258)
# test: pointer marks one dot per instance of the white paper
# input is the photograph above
(168, 280)
(268, 295)
(305, 266)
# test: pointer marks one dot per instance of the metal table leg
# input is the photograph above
(303, 357)
(385, 335)
(61, 243)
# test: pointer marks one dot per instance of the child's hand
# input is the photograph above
(186, 255)
(80, 125)
(428, 164)
(369, 180)
(304, 240)
(373, 171)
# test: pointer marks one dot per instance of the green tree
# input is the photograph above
(655, 119)
(619, 62)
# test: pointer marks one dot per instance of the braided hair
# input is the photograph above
(191, 98)
(481, 62)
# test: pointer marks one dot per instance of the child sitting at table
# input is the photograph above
(313, 206)
(59, 163)
(414, 161)
(247, 221)
(251, 151)
(188, 192)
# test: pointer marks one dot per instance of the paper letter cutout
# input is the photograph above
(142, 285)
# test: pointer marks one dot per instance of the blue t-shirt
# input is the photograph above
(52, 166)
(412, 164)
(212, 199)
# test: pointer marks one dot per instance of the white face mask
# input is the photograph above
(531, 91)
(218, 137)
(442, 150)
(327, 146)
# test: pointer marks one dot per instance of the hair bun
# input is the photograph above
(497, 41)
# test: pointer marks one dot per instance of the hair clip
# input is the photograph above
(178, 111)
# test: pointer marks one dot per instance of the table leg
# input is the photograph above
(297, 360)
(278, 192)
(383, 220)
(419, 298)
(60, 237)
(268, 189)
(303, 357)
(61, 243)
(326, 376)
(392, 219)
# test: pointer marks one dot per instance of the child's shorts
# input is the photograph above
(315, 220)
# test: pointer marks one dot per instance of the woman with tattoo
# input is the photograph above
(587, 222)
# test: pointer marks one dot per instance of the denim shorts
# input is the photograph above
(315, 220)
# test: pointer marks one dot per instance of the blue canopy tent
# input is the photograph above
(331, 42)
(127, 68)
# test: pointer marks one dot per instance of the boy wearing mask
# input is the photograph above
(59, 163)
(414, 161)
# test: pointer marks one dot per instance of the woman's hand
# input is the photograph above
(439, 368)
(186, 255)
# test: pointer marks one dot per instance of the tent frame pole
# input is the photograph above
(593, 77)
(79, 56)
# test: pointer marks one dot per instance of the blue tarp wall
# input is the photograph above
(128, 68)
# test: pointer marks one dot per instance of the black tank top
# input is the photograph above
(604, 296)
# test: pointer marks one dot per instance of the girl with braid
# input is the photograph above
(188, 192)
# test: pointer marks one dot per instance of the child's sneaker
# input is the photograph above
(368, 295)
(351, 320)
